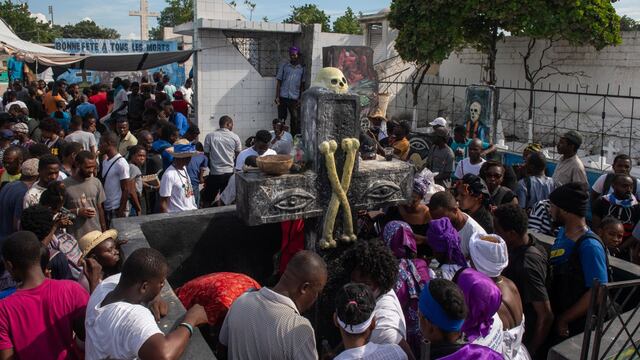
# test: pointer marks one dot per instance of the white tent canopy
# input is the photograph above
(46, 57)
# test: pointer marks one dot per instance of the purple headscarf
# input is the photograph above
(442, 237)
(483, 297)
(398, 236)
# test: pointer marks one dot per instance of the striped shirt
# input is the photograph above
(540, 218)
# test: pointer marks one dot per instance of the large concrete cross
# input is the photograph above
(262, 199)
(144, 14)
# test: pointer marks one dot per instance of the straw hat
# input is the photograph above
(92, 239)
(182, 149)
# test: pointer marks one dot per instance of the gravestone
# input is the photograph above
(263, 199)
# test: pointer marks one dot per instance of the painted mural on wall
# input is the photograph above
(478, 112)
(356, 63)
(119, 46)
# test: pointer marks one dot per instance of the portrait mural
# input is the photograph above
(478, 112)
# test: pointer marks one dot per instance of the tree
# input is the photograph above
(347, 23)
(425, 35)
(88, 29)
(628, 24)
(580, 23)
(17, 16)
(177, 12)
(308, 14)
(251, 7)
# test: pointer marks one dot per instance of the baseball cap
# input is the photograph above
(439, 121)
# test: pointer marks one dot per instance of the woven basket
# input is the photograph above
(275, 164)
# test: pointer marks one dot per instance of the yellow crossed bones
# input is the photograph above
(339, 193)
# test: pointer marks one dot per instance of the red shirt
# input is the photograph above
(37, 323)
(100, 101)
(181, 106)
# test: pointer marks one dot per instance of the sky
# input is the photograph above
(115, 13)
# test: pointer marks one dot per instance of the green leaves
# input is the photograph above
(347, 23)
(308, 14)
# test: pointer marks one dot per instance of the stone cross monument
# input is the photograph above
(326, 117)
(144, 14)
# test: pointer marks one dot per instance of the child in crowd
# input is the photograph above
(354, 316)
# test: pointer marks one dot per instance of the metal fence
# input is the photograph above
(606, 117)
(613, 322)
(264, 51)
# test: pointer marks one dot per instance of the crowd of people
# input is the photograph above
(454, 273)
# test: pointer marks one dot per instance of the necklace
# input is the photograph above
(186, 184)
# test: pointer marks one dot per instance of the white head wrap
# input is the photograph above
(489, 254)
(356, 329)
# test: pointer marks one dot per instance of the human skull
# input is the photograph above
(332, 79)
(474, 111)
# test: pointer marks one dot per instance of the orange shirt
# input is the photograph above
(402, 148)
(50, 102)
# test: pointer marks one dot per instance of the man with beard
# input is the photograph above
(85, 196)
(578, 257)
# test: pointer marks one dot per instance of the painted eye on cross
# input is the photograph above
(381, 190)
(418, 144)
(293, 200)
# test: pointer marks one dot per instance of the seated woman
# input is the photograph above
(354, 316)
(373, 264)
(489, 255)
(444, 240)
(443, 311)
(482, 325)
(415, 213)
(103, 248)
(474, 198)
(412, 275)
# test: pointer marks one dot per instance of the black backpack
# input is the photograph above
(566, 280)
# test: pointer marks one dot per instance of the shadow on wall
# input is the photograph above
(199, 245)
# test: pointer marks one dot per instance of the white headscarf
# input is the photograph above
(489, 254)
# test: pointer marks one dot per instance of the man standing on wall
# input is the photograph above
(289, 87)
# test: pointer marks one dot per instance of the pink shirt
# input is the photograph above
(37, 323)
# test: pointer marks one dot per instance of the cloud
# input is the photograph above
(133, 36)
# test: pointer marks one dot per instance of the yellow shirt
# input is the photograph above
(6, 177)
(124, 144)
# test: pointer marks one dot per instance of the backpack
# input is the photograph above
(608, 181)
(566, 280)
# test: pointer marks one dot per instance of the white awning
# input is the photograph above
(47, 57)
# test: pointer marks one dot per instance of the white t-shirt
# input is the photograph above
(244, 154)
(112, 176)
(117, 330)
(32, 197)
(372, 351)
(176, 185)
(121, 98)
(470, 227)
(465, 167)
(187, 94)
(391, 327)
(599, 185)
